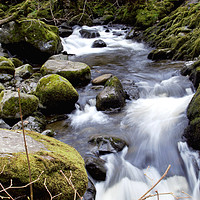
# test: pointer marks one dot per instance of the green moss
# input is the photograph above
(58, 156)
(16, 62)
(6, 66)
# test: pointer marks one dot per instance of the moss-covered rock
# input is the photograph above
(112, 96)
(56, 93)
(9, 104)
(46, 154)
(16, 62)
(31, 39)
(76, 72)
(6, 66)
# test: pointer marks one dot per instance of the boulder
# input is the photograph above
(56, 93)
(4, 125)
(89, 33)
(90, 192)
(192, 132)
(9, 104)
(99, 44)
(16, 62)
(76, 73)
(32, 40)
(24, 71)
(65, 30)
(101, 80)
(112, 96)
(6, 66)
(46, 155)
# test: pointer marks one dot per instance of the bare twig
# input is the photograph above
(51, 197)
(143, 196)
(71, 184)
(26, 148)
(54, 19)
(2, 169)
(6, 191)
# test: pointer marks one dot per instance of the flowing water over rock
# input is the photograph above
(152, 125)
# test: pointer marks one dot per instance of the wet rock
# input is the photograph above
(99, 44)
(77, 73)
(105, 145)
(95, 167)
(101, 80)
(161, 54)
(49, 133)
(56, 93)
(89, 33)
(112, 96)
(9, 104)
(46, 154)
(90, 192)
(65, 30)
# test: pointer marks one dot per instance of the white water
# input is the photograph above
(152, 125)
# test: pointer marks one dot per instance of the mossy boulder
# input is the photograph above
(56, 93)
(112, 96)
(76, 72)
(31, 39)
(161, 54)
(9, 104)
(6, 66)
(46, 155)
(192, 132)
(16, 62)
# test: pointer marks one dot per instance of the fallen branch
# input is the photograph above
(143, 196)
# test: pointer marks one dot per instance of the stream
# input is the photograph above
(152, 125)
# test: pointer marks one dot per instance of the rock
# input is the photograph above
(4, 125)
(161, 54)
(65, 30)
(59, 57)
(103, 20)
(56, 93)
(6, 66)
(16, 62)
(45, 154)
(192, 132)
(90, 192)
(31, 123)
(99, 44)
(112, 96)
(101, 80)
(95, 167)
(49, 133)
(25, 71)
(76, 73)
(89, 33)
(1, 87)
(32, 40)
(105, 145)
(9, 104)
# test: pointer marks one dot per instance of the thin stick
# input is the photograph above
(6, 191)
(83, 10)
(25, 145)
(155, 183)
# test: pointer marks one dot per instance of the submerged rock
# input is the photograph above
(77, 73)
(99, 44)
(9, 104)
(112, 96)
(46, 155)
(56, 93)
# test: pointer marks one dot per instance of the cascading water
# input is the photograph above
(152, 125)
